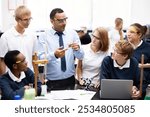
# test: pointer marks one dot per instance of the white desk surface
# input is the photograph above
(67, 95)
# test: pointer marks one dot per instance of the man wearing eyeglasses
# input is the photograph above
(61, 68)
(18, 78)
(18, 37)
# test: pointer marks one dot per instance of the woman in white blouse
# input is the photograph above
(88, 69)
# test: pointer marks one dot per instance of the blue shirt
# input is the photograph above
(48, 42)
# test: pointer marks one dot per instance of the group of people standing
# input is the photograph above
(61, 47)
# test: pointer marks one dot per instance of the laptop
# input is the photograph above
(116, 89)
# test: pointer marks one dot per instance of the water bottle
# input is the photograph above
(29, 94)
(44, 90)
(147, 96)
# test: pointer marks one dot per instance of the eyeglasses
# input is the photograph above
(61, 20)
(21, 61)
(26, 20)
(132, 32)
(95, 37)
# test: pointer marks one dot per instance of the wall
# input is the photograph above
(105, 12)
(135, 10)
(140, 11)
(7, 16)
(0, 15)
(78, 12)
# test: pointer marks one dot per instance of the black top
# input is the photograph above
(86, 39)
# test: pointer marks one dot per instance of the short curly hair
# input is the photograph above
(10, 58)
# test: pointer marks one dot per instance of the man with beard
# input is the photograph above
(60, 46)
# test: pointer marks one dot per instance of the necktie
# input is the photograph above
(61, 44)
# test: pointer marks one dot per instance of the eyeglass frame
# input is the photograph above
(132, 32)
(95, 36)
(61, 20)
(26, 20)
(21, 61)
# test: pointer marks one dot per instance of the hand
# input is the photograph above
(135, 93)
(60, 52)
(42, 79)
(27, 87)
(81, 82)
(74, 46)
(97, 84)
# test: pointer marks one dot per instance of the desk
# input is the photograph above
(68, 95)
(77, 94)
(95, 97)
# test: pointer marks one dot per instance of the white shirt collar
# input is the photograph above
(126, 65)
(14, 78)
(17, 33)
(138, 44)
(54, 31)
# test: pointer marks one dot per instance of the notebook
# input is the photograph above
(116, 89)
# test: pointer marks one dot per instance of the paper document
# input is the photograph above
(69, 95)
